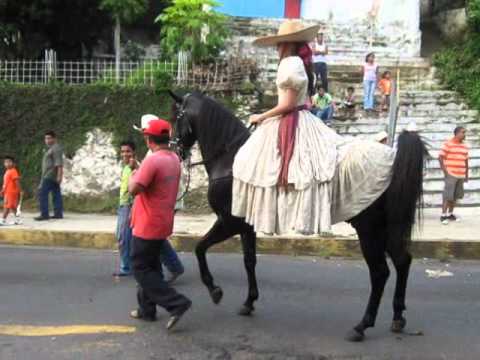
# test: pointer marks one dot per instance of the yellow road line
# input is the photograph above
(27, 330)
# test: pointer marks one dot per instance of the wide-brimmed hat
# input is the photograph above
(289, 31)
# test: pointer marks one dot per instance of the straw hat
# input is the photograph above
(289, 31)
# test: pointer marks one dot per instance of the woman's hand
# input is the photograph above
(255, 119)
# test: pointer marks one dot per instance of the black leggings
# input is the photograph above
(321, 71)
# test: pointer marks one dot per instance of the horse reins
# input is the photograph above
(190, 165)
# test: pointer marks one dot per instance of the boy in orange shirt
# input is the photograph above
(11, 189)
(385, 86)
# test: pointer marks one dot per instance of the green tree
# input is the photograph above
(122, 11)
(473, 12)
(28, 27)
(193, 26)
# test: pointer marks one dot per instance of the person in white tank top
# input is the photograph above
(320, 52)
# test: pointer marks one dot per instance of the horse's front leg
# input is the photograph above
(215, 235)
(249, 244)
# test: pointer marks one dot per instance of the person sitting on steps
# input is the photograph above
(323, 105)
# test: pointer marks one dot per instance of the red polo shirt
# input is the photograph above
(153, 209)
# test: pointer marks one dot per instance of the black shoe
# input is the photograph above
(177, 315)
(57, 217)
(41, 218)
(452, 217)
(121, 274)
(137, 314)
(444, 220)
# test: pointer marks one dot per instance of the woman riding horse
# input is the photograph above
(296, 174)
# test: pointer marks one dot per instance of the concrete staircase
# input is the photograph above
(346, 40)
(436, 114)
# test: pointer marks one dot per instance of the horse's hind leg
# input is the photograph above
(249, 244)
(402, 264)
(373, 249)
(218, 233)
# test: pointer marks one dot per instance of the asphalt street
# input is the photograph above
(306, 306)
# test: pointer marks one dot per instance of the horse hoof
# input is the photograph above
(355, 336)
(398, 325)
(217, 295)
(246, 310)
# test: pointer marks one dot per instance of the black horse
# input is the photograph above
(383, 228)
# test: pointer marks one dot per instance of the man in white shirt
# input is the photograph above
(320, 52)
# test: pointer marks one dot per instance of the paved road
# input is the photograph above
(306, 307)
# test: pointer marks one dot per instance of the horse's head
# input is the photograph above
(184, 113)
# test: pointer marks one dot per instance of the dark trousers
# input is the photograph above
(153, 289)
(321, 71)
(50, 186)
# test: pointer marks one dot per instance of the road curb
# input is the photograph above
(325, 246)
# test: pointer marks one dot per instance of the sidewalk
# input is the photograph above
(460, 239)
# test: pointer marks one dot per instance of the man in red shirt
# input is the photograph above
(155, 186)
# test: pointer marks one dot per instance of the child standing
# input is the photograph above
(11, 189)
(385, 86)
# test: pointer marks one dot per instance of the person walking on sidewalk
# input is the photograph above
(52, 176)
(453, 159)
(370, 75)
(155, 186)
(11, 190)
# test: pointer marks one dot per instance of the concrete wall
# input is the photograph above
(451, 23)
(387, 11)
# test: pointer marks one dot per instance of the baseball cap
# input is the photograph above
(412, 127)
(158, 127)
(144, 121)
(382, 135)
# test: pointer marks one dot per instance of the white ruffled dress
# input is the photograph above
(305, 206)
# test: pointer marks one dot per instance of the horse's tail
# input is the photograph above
(405, 193)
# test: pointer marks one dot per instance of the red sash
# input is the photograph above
(286, 141)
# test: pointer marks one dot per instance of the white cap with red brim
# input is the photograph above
(145, 120)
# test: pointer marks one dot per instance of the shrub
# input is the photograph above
(157, 74)
(458, 65)
(27, 111)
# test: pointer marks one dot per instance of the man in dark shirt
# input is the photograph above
(52, 176)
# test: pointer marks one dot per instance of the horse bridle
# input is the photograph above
(180, 150)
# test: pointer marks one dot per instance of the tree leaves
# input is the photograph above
(193, 25)
(126, 10)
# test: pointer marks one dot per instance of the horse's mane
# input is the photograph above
(218, 128)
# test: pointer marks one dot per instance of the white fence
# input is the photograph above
(220, 75)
